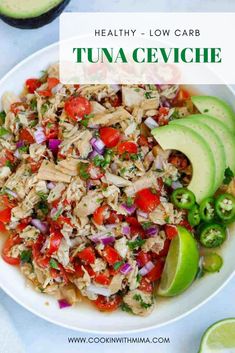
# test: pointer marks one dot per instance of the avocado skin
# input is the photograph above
(36, 22)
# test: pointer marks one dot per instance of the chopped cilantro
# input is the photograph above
(33, 123)
(9, 164)
(53, 263)
(3, 131)
(44, 108)
(23, 149)
(175, 115)
(42, 195)
(168, 181)
(2, 117)
(146, 225)
(129, 201)
(135, 244)
(83, 170)
(138, 278)
(33, 104)
(126, 308)
(138, 298)
(134, 157)
(25, 256)
(43, 207)
(122, 171)
(148, 95)
(117, 265)
(228, 176)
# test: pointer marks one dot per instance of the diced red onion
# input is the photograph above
(42, 226)
(39, 135)
(129, 209)
(97, 144)
(146, 268)
(176, 185)
(125, 269)
(126, 230)
(150, 123)
(93, 126)
(99, 290)
(142, 214)
(104, 239)
(93, 154)
(57, 88)
(50, 185)
(53, 212)
(63, 303)
(159, 162)
(53, 144)
(11, 193)
(19, 144)
(152, 231)
(111, 226)
(17, 154)
(165, 102)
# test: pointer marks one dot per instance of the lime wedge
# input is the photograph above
(181, 264)
(219, 338)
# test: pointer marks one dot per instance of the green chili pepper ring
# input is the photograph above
(194, 216)
(183, 198)
(212, 235)
(207, 209)
(225, 208)
(212, 262)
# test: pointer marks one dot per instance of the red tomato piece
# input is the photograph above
(95, 172)
(102, 279)
(107, 303)
(165, 249)
(171, 231)
(18, 107)
(51, 131)
(7, 202)
(127, 147)
(26, 136)
(156, 272)
(32, 84)
(109, 136)
(87, 255)
(142, 258)
(77, 107)
(114, 218)
(163, 111)
(55, 240)
(146, 200)
(10, 242)
(5, 215)
(185, 223)
(45, 93)
(100, 214)
(142, 141)
(52, 82)
(145, 285)
(2, 227)
(111, 255)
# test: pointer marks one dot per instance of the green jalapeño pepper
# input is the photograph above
(212, 235)
(194, 216)
(183, 198)
(212, 262)
(207, 209)
(225, 208)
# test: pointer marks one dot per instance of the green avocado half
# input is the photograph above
(187, 141)
(27, 14)
(213, 141)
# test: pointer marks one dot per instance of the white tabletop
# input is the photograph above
(40, 336)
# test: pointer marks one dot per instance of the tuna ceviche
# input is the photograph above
(92, 196)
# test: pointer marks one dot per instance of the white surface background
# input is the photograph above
(39, 336)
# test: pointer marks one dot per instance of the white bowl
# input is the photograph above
(84, 317)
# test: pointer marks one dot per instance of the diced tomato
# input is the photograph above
(146, 200)
(52, 82)
(23, 224)
(142, 141)
(160, 183)
(171, 231)
(142, 258)
(114, 218)
(132, 221)
(111, 255)
(95, 172)
(55, 241)
(127, 147)
(10, 242)
(7, 202)
(32, 84)
(182, 95)
(5, 215)
(163, 111)
(185, 223)
(51, 131)
(107, 303)
(76, 86)
(34, 165)
(2, 227)
(26, 136)
(100, 214)
(116, 102)
(40, 259)
(78, 270)
(87, 255)
(135, 226)
(145, 285)
(156, 272)
(109, 136)
(62, 219)
(45, 93)
(165, 249)
(60, 272)
(102, 279)
(18, 107)
(77, 107)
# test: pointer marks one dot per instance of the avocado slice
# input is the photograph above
(215, 107)
(185, 140)
(214, 142)
(28, 14)
(225, 135)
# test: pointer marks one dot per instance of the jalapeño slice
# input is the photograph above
(194, 216)
(212, 235)
(225, 208)
(183, 198)
(207, 209)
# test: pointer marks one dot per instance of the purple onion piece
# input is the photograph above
(43, 227)
(142, 214)
(129, 209)
(152, 231)
(146, 268)
(176, 185)
(97, 144)
(53, 144)
(50, 185)
(63, 303)
(19, 144)
(125, 269)
(126, 230)
(39, 135)
(104, 239)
